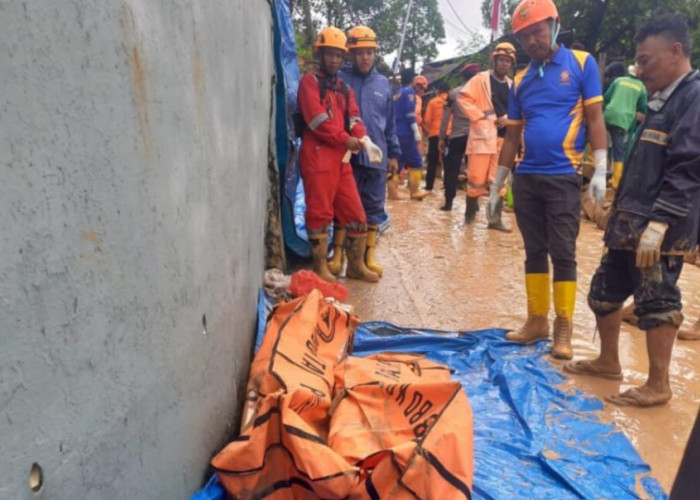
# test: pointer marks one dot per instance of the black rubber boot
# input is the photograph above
(472, 209)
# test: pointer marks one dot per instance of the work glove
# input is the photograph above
(492, 210)
(374, 152)
(598, 184)
(649, 249)
(416, 132)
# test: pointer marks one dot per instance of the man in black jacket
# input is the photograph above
(655, 215)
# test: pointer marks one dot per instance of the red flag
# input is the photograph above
(495, 17)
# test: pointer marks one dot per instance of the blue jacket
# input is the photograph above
(405, 109)
(373, 94)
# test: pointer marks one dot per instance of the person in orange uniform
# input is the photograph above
(333, 128)
(554, 104)
(484, 99)
(431, 125)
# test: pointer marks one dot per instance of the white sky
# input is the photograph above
(469, 12)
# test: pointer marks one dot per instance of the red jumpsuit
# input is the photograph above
(329, 184)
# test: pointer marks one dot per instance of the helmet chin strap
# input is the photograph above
(555, 33)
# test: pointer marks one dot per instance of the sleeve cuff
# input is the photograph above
(514, 122)
(593, 100)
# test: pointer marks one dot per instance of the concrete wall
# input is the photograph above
(133, 179)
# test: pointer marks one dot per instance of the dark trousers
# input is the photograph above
(433, 160)
(657, 298)
(619, 138)
(455, 154)
(371, 184)
(547, 209)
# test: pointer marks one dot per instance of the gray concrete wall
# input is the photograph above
(133, 157)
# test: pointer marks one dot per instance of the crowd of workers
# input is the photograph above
(529, 130)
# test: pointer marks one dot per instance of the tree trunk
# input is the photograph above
(309, 31)
(595, 20)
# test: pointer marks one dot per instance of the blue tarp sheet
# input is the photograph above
(531, 438)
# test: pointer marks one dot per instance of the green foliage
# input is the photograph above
(425, 29)
(610, 25)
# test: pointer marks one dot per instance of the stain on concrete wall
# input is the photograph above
(133, 183)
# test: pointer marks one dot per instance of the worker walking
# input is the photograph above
(456, 145)
(625, 99)
(655, 215)
(333, 129)
(485, 102)
(554, 100)
(374, 97)
(431, 126)
(409, 134)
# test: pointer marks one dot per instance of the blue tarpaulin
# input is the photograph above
(531, 438)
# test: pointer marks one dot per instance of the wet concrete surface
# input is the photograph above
(444, 275)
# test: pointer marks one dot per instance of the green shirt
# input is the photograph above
(624, 98)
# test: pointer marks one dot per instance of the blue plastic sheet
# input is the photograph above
(531, 438)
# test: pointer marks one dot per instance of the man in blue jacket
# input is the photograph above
(374, 98)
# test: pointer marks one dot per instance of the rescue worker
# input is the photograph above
(409, 134)
(457, 144)
(655, 215)
(624, 99)
(431, 125)
(555, 101)
(375, 99)
(333, 129)
(485, 102)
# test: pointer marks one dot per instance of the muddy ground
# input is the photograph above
(440, 274)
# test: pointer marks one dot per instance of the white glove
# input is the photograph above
(374, 152)
(416, 132)
(596, 189)
(649, 249)
(495, 194)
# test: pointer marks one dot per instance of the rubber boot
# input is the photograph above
(617, 168)
(564, 302)
(414, 179)
(692, 333)
(392, 186)
(537, 325)
(496, 223)
(370, 262)
(447, 206)
(319, 254)
(472, 209)
(356, 247)
(335, 265)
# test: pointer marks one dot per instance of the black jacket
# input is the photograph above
(661, 180)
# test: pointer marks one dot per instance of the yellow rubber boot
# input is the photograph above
(357, 245)
(538, 298)
(564, 303)
(617, 168)
(335, 265)
(370, 262)
(414, 178)
(319, 254)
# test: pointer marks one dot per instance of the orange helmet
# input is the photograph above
(362, 37)
(504, 49)
(332, 38)
(422, 81)
(529, 12)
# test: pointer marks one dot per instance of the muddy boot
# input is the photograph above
(537, 325)
(561, 347)
(335, 265)
(356, 247)
(495, 222)
(392, 187)
(447, 206)
(370, 262)
(414, 178)
(628, 315)
(692, 333)
(319, 254)
(472, 209)
(564, 303)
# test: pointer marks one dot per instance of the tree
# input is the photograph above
(610, 25)
(425, 29)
